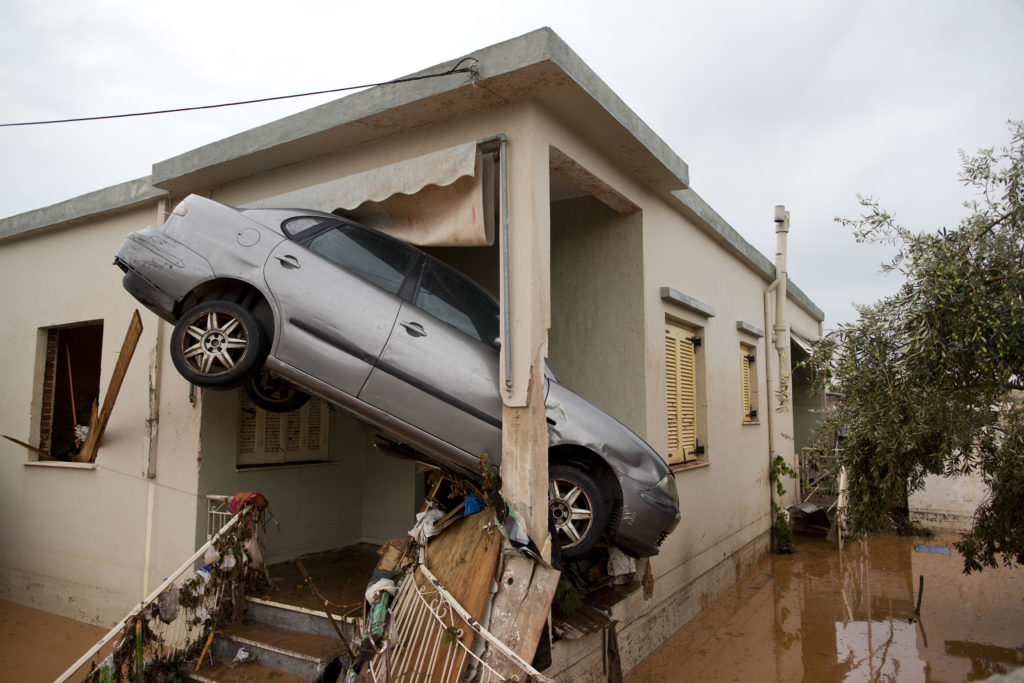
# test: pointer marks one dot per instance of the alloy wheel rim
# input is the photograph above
(214, 342)
(571, 509)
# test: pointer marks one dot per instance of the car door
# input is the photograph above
(336, 289)
(439, 369)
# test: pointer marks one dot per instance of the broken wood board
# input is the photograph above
(520, 610)
(43, 455)
(464, 559)
(98, 421)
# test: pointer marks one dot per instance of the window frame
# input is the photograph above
(678, 453)
(55, 359)
(749, 404)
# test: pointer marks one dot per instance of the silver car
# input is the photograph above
(290, 302)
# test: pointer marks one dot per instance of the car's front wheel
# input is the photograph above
(577, 509)
(218, 345)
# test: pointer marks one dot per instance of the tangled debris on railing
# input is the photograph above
(174, 624)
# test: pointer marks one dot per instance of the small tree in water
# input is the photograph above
(930, 375)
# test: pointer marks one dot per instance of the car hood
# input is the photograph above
(574, 420)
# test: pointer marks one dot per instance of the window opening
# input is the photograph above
(71, 387)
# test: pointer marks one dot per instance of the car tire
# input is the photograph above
(577, 508)
(218, 345)
(269, 392)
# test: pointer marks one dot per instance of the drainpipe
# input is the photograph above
(780, 337)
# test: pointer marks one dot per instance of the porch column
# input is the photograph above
(526, 274)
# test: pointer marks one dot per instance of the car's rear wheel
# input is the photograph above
(218, 345)
(270, 392)
(577, 508)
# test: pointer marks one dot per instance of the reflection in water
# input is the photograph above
(825, 615)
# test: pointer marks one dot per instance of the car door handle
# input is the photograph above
(288, 261)
(414, 329)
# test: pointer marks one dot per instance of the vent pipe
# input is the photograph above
(781, 328)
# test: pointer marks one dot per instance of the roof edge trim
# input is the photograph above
(116, 197)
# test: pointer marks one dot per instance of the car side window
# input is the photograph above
(373, 257)
(451, 297)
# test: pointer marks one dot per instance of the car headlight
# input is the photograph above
(667, 485)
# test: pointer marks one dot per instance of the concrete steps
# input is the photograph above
(286, 644)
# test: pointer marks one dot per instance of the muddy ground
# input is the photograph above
(39, 646)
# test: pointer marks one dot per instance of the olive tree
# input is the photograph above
(931, 377)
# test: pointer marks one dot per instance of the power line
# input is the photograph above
(457, 69)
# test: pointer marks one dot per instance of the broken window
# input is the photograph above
(748, 383)
(71, 387)
(268, 438)
(681, 344)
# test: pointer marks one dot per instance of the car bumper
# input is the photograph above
(159, 271)
(648, 517)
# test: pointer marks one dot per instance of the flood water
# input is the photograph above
(823, 615)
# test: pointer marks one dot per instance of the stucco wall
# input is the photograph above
(948, 502)
(596, 307)
(74, 539)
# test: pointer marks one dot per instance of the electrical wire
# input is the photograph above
(457, 69)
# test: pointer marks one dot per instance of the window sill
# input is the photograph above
(687, 466)
(60, 464)
(283, 465)
(750, 422)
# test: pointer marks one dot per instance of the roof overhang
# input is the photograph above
(537, 66)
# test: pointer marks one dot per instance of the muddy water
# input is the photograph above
(822, 615)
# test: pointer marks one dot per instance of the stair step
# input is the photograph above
(297, 652)
(296, 618)
(224, 671)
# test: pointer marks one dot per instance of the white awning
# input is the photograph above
(801, 341)
(445, 198)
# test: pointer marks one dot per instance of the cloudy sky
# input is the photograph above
(802, 103)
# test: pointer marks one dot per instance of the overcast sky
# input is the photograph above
(802, 103)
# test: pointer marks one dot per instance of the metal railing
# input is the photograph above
(175, 618)
(426, 639)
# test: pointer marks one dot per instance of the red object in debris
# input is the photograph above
(239, 501)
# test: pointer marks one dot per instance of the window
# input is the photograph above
(266, 438)
(451, 297)
(681, 392)
(370, 255)
(71, 386)
(748, 384)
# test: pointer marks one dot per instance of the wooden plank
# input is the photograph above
(43, 455)
(520, 609)
(98, 422)
(464, 559)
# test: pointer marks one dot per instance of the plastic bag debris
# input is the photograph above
(380, 586)
(424, 527)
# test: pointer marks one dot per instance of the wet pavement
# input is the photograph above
(823, 615)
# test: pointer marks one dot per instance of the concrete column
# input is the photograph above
(524, 427)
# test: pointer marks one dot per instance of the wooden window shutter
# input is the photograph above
(745, 383)
(266, 438)
(681, 393)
